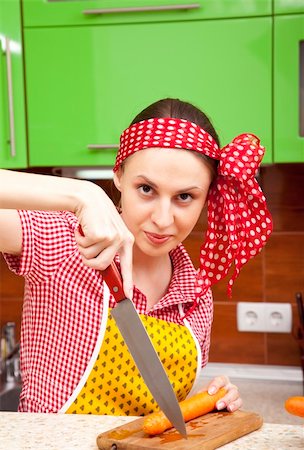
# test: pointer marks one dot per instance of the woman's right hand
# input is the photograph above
(104, 234)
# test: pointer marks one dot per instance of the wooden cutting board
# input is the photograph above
(206, 432)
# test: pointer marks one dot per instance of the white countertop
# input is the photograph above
(28, 431)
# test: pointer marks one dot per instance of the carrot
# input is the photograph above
(295, 406)
(193, 407)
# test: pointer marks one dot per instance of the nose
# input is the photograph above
(162, 215)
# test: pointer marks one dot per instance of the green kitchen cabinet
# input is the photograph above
(87, 12)
(12, 105)
(288, 6)
(84, 84)
(289, 88)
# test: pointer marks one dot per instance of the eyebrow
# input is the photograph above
(150, 182)
(181, 191)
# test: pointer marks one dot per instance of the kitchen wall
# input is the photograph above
(274, 276)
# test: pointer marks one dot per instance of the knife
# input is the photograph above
(142, 350)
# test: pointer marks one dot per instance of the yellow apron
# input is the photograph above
(112, 383)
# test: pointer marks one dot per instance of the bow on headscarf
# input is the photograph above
(239, 222)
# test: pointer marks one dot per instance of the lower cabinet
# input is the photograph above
(85, 84)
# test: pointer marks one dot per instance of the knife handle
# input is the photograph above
(112, 277)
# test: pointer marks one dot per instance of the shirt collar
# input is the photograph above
(182, 286)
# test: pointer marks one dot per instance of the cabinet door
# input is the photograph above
(288, 6)
(85, 84)
(12, 107)
(289, 88)
(90, 12)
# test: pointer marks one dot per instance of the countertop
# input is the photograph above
(24, 431)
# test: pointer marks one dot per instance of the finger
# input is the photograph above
(217, 383)
(87, 240)
(126, 264)
(237, 404)
(91, 252)
(79, 237)
(231, 397)
(103, 260)
(230, 405)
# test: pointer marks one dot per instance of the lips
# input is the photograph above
(157, 239)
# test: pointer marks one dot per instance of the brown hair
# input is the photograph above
(178, 109)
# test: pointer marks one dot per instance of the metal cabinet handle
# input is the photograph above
(102, 146)
(141, 9)
(10, 96)
(301, 88)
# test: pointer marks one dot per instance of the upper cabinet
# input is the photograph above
(288, 6)
(12, 105)
(85, 84)
(86, 12)
(289, 88)
(86, 68)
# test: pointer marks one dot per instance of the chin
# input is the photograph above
(155, 251)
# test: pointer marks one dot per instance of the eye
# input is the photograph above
(184, 197)
(145, 189)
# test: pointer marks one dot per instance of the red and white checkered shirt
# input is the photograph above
(63, 306)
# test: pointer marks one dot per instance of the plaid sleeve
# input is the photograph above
(201, 323)
(47, 240)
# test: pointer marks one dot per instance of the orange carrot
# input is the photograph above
(193, 407)
(295, 406)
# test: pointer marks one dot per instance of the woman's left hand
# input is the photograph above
(232, 400)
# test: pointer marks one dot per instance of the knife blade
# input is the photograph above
(142, 350)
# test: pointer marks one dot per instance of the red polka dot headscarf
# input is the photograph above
(239, 222)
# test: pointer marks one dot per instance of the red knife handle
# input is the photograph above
(112, 277)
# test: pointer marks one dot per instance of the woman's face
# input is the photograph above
(163, 192)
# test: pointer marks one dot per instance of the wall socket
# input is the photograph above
(264, 317)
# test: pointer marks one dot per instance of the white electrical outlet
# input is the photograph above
(250, 316)
(264, 317)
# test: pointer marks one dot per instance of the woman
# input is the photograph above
(73, 358)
